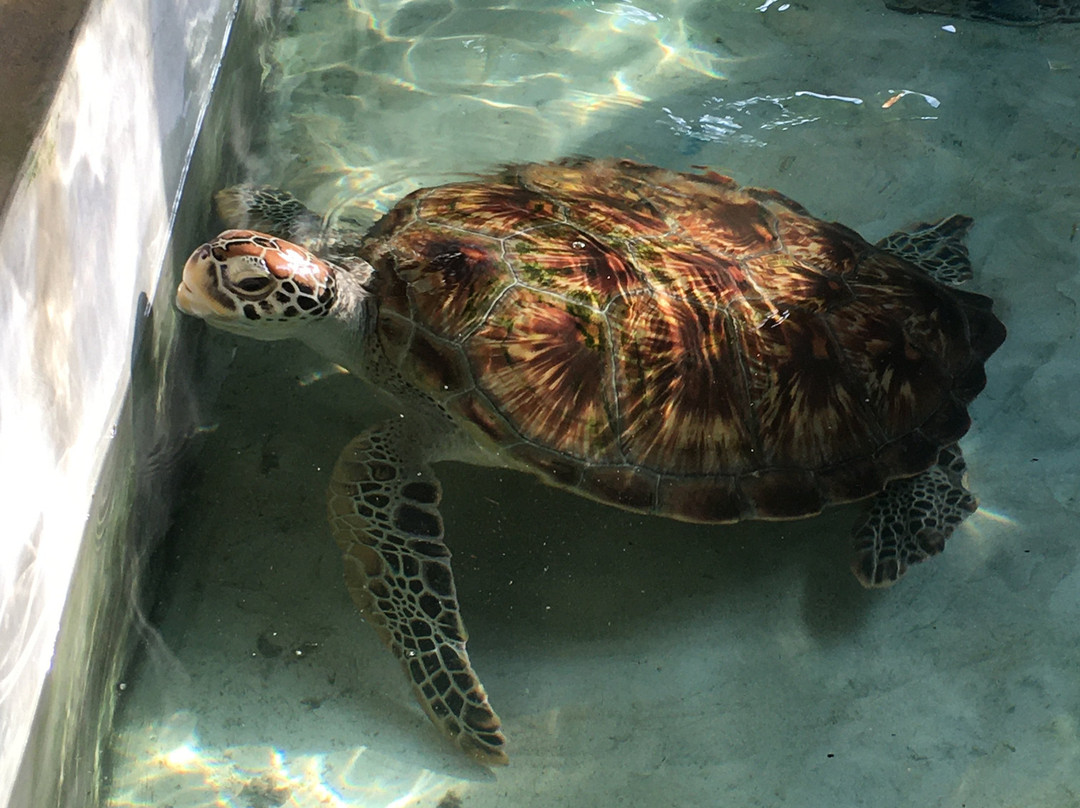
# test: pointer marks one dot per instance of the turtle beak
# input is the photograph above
(187, 302)
(195, 294)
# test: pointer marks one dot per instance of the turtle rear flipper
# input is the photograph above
(937, 247)
(910, 520)
(383, 509)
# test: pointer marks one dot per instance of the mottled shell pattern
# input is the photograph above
(674, 343)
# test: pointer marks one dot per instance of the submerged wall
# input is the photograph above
(82, 246)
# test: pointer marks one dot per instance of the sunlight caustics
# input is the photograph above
(180, 771)
(552, 78)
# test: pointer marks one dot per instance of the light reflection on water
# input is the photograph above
(747, 120)
(369, 105)
(414, 92)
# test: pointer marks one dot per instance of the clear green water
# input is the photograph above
(634, 661)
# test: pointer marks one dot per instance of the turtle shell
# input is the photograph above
(675, 343)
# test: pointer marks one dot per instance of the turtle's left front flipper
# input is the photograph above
(383, 508)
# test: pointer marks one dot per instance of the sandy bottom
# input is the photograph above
(635, 661)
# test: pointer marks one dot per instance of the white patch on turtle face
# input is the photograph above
(254, 284)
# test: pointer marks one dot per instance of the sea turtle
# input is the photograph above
(668, 343)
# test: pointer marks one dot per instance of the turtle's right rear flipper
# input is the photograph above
(937, 247)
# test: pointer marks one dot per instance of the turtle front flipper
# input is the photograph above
(269, 210)
(910, 520)
(383, 508)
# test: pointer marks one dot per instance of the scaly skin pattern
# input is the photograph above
(383, 509)
(231, 270)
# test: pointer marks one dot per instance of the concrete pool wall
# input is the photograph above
(94, 397)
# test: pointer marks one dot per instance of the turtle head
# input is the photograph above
(257, 285)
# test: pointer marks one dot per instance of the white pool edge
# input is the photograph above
(84, 236)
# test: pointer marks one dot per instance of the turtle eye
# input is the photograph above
(253, 284)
